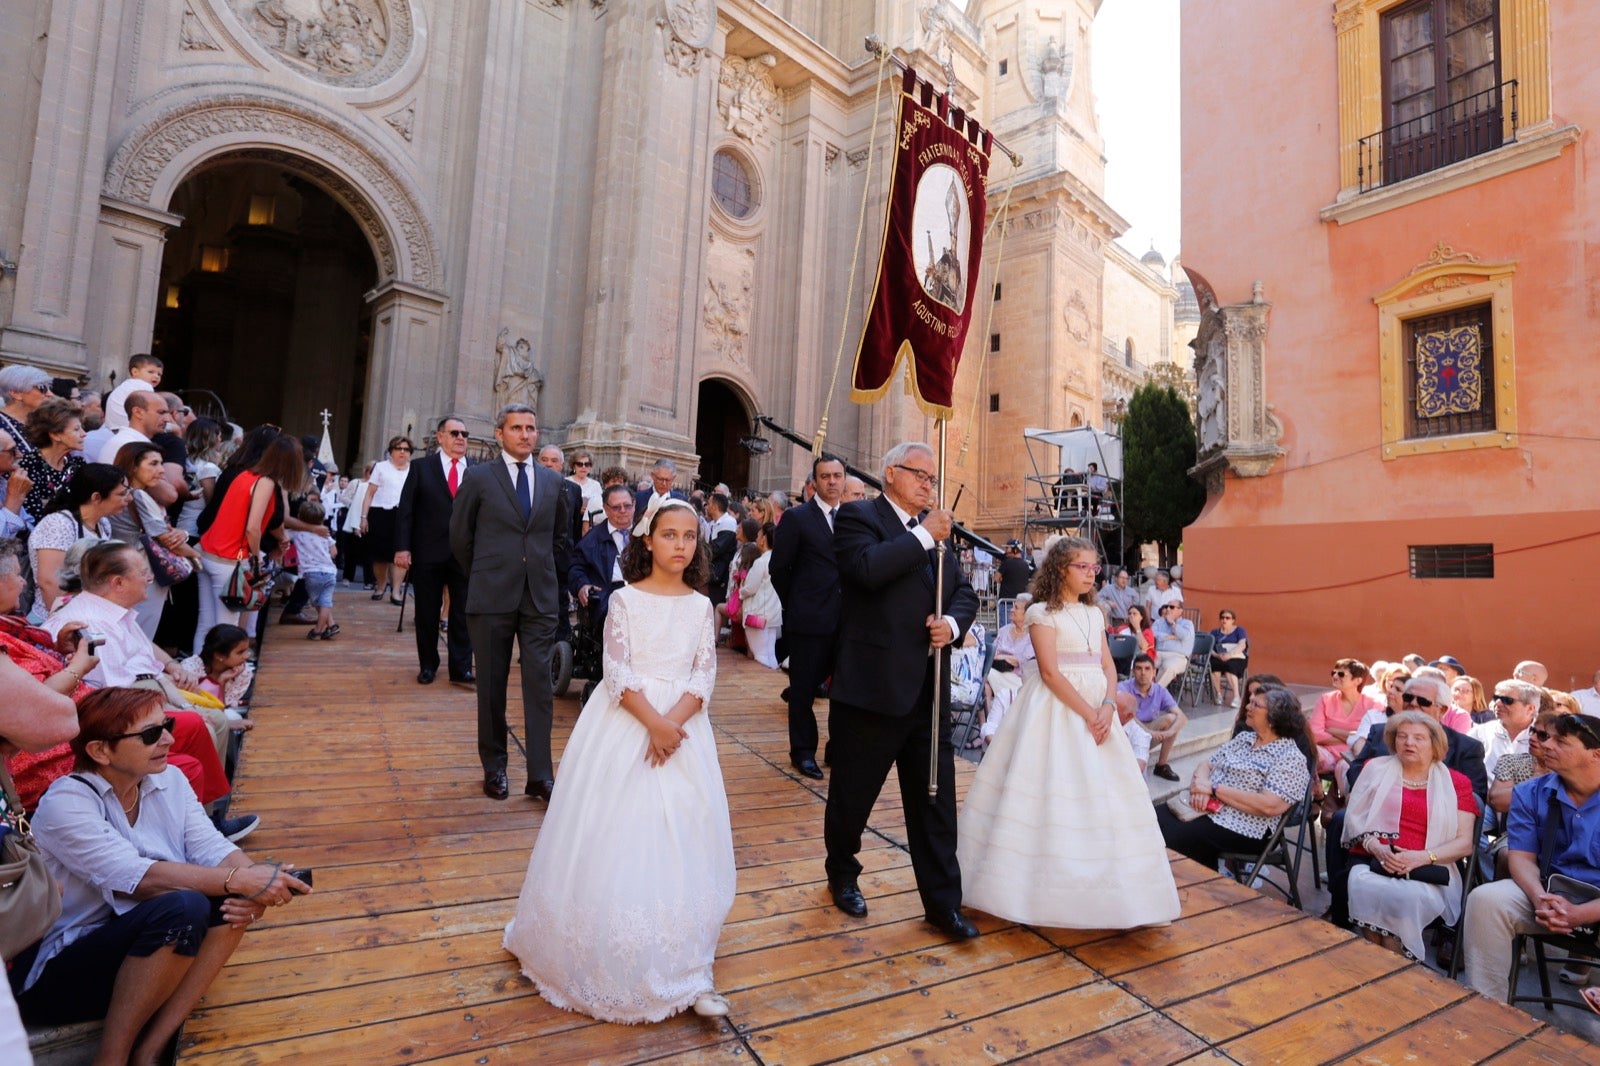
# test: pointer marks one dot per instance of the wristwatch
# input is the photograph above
(1433, 858)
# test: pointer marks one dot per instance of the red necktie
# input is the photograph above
(454, 481)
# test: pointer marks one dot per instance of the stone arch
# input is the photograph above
(185, 138)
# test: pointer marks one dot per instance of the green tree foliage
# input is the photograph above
(1158, 449)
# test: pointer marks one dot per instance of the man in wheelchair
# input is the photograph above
(594, 573)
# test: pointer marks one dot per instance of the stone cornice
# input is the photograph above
(1062, 185)
(821, 64)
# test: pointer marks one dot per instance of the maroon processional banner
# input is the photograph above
(932, 248)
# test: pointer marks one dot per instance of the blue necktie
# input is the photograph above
(524, 498)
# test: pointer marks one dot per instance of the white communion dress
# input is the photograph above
(1056, 829)
(632, 874)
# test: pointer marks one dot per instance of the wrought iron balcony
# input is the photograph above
(1459, 130)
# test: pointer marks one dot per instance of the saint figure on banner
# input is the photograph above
(938, 215)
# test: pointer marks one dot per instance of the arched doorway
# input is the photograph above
(721, 422)
(261, 301)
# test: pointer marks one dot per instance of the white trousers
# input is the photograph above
(1496, 912)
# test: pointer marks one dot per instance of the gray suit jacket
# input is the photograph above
(501, 553)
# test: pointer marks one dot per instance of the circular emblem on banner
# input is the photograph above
(941, 236)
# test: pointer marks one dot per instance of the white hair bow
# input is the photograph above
(657, 505)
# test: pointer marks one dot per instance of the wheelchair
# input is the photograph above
(577, 653)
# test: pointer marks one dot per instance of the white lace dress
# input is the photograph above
(632, 874)
(1056, 829)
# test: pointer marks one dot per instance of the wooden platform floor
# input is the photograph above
(372, 780)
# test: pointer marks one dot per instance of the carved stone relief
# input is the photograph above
(686, 32)
(936, 28)
(515, 379)
(1238, 430)
(403, 120)
(193, 35)
(340, 42)
(150, 150)
(746, 98)
(856, 157)
(728, 305)
(1055, 71)
(1076, 316)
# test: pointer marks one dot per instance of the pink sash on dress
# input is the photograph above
(1078, 658)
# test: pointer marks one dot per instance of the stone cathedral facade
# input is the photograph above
(638, 215)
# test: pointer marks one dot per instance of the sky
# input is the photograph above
(1135, 55)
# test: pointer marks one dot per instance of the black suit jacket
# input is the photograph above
(422, 522)
(641, 500)
(500, 550)
(887, 584)
(805, 573)
(592, 560)
(1463, 755)
(574, 496)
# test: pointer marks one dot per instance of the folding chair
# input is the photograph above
(1123, 649)
(1587, 946)
(1195, 680)
(1280, 851)
(964, 713)
(1002, 612)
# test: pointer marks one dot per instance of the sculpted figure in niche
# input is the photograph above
(515, 379)
(1213, 432)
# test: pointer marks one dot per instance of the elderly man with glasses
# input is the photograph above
(1515, 705)
(1429, 693)
(1174, 642)
(1554, 832)
(14, 520)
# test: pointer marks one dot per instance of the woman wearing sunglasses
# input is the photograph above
(1338, 714)
(593, 507)
(154, 899)
(22, 389)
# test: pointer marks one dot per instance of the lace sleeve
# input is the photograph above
(619, 675)
(703, 674)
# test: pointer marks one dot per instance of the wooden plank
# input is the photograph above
(1343, 1023)
(1548, 1047)
(1141, 947)
(1468, 1031)
(1221, 965)
(1148, 1040)
(1224, 1013)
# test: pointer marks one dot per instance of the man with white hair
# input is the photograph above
(1589, 698)
(1532, 672)
(1161, 593)
(854, 489)
(662, 475)
(1515, 705)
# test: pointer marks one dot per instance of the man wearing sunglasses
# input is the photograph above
(1174, 642)
(1429, 693)
(1553, 829)
(1515, 705)
(422, 546)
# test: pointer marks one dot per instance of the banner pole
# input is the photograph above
(938, 609)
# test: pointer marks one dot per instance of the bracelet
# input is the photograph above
(276, 866)
(1108, 703)
(228, 880)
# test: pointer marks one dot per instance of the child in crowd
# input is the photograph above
(226, 673)
(316, 553)
(144, 375)
(633, 874)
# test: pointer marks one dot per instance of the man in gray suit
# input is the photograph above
(510, 531)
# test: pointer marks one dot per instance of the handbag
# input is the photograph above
(1432, 874)
(167, 566)
(755, 621)
(1184, 811)
(247, 587)
(30, 902)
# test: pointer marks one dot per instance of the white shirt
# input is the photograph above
(461, 468)
(127, 653)
(592, 503)
(1155, 597)
(827, 512)
(1497, 742)
(1588, 701)
(125, 435)
(389, 479)
(616, 566)
(927, 542)
(724, 524)
(116, 404)
(511, 468)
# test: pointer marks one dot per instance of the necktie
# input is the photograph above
(833, 516)
(454, 481)
(620, 536)
(911, 523)
(524, 497)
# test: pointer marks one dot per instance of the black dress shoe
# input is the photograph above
(494, 784)
(466, 680)
(540, 789)
(849, 899)
(1164, 771)
(952, 923)
(808, 767)
(426, 676)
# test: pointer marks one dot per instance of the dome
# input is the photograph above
(1153, 259)
(1187, 308)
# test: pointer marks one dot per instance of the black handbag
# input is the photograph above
(1432, 874)
(30, 901)
(166, 565)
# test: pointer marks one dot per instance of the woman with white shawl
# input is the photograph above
(1409, 819)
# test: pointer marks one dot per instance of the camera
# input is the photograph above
(301, 875)
(95, 638)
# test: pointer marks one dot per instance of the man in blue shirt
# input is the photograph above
(1155, 710)
(1174, 642)
(1555, 819)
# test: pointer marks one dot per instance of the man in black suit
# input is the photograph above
(594, 573)
(883, 692)
(552, 458)
(662, 475)
(422, 547)
(1429, 694)
(806, 578)
(508, 529)
(722, 539)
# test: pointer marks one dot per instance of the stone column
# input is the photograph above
(404, 393)
(50, 319)
(657, 95)
(1354, 108)
(1525, 32)
(126, 276)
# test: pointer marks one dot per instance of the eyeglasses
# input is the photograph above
(1505, 701)
(1087, 568)
(1227, 617)
(925, 479)
(1541, 735)
(42, 388)
(459, 434)
(401, 448)
(149, 736)
(581, 462)
(9, 451)
(1420, 701)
